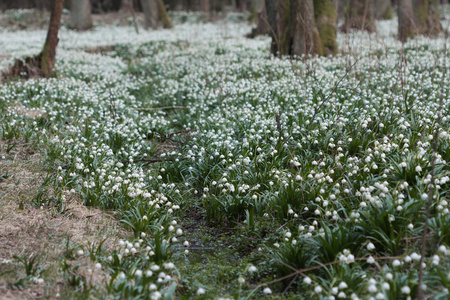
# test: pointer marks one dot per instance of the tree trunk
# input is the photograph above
(80, 15)
(305, 36)
(167, 23)
(277, 15)
(48, 53)
(204, 6)
(418, 17)
(125, 5)
(406, 26)
(383, 9)
(155, 13)
(302, 27)
(340, 7)
(325, 16)
(427, 17)
(262, 26)
(359, 16)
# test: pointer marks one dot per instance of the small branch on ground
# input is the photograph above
(158, 108)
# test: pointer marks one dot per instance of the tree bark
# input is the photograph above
(278, 19)
(151, 13)
(262, 26)
(406, 26)
(80, 15)
(325, 16)
(427, 17)
(125, 5)
(167, 23)
(418, 17)
(305, 36)
(359, 16)
(302, 27)
(155, 14)
(205, 6)
(383, 9)
(48, 53)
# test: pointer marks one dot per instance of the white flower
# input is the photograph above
(371, 288)
(370, 246)
(169, 266)
(350, 258)
(396, 263)
(415, 256)
(267, 291)
(406, 290)
(385, 286)
(138, 273)
(343, 285)
(156, 295)
(371, 260)
(307, 280)
(241, 279)
(98, 266)
(200, 291)
(252, 269)
(154, 268)
(318, 289)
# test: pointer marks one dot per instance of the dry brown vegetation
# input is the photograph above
(29, 230)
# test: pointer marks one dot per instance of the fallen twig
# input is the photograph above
(167, 136)
(158, 108)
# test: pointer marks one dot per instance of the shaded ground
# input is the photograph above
(26, 230)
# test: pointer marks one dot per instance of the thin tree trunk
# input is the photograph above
(427, 17)
(125, 5)
(383, 9)
(325, 15)
(274, 19)
(80, 15)
(262, 27)
(204, 6)
(406, 26)
(359, 16)
(418, 17)
(49, 51)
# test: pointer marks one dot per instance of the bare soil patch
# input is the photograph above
(28, 230)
